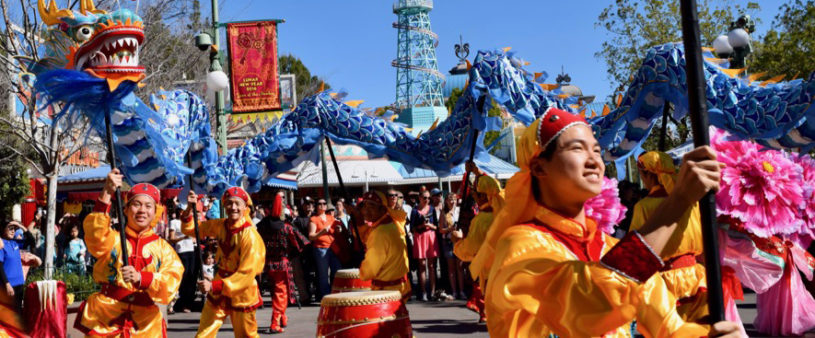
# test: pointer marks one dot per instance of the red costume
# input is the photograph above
(282, 242)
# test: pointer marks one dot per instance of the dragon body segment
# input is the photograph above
(97, 57)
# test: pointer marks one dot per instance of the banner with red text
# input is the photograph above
(255, 84)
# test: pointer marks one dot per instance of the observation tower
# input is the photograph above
(418, 80)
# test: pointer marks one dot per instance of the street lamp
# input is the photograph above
(736, 45)
(217, 81)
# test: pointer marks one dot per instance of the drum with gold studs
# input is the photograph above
(347, 280)
(364, 314)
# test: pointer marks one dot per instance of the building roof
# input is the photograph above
(90, 175)
(454, 81)
(99, 173)
(384, 172)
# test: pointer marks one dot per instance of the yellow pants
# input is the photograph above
(689, 286)
(212, 317)
(403, 288)
(103, 316)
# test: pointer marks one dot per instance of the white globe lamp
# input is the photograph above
(738, 38)
(722, 46)
(217, 81)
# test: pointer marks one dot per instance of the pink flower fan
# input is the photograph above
(606, 208)
(760, 188)
(807, 232)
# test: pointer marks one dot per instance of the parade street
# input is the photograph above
(431, 319)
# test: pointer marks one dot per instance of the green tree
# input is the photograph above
(306, 83)
(635, 26)
(14, 186)
(788, 48)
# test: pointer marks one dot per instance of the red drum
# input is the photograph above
(364, 314)
(348, 280)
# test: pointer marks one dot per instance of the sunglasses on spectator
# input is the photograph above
(321, 203)
(424, 197)
(393, 195)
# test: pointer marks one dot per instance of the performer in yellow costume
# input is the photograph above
(683, 276)
(553, 272)
(126, 305)
(241, 254)
(386, 261)
(490, 199)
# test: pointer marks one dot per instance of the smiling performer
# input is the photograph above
(241, 254)
(553, 272)
(126, 305)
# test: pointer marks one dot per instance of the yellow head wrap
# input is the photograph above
(660, 164)
(489, 186)
(398, 215)
(523, 204)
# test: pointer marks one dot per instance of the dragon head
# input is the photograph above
(106, 45)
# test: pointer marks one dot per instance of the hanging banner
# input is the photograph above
(255, 84)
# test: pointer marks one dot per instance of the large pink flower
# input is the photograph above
(606, 208)
(807, 232)
(762, 188)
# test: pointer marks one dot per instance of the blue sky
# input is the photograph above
(351, 43)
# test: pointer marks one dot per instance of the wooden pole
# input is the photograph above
(345, 194)
(699, 125)
(663, 131)
(119, 210)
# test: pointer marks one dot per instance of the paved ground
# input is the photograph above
(433, 319)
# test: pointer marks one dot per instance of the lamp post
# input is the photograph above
(736, 45)
(217, 81)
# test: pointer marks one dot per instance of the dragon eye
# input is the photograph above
(84, 33)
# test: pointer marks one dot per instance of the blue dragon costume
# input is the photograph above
(92, 69)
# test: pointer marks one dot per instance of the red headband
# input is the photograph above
(236, 192)
(144, 189)
(554, 122)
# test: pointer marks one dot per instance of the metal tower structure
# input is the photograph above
(418, 80)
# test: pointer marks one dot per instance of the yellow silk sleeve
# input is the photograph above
(537, 286)
(209, 228)
(99, 236)
(168, 277)
(375, 256)
(466, 248)
(251, 260)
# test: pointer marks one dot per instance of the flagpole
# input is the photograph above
(699, 125)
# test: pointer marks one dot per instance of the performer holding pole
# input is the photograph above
(699, 124)
(126, 305)
(234, 291)
(490, 198)
(553, 272)
(386, 261)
